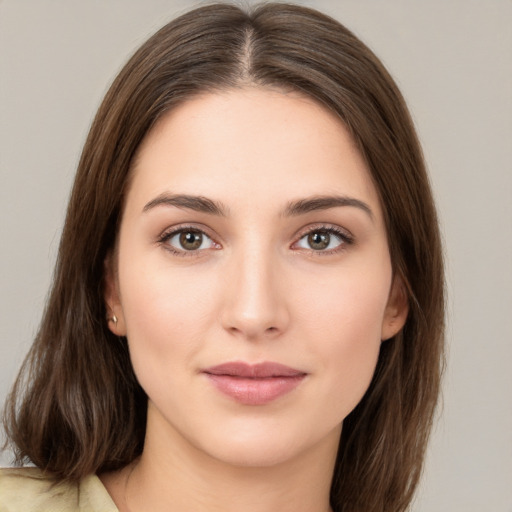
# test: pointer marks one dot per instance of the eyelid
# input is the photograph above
(346, 236)
(172, 231)
(342, 233)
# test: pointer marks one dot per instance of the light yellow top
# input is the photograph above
(28, 490)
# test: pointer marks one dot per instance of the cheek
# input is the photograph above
(165, 315)
(343, 320)
(349, 305)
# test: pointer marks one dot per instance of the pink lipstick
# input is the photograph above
(254, 384)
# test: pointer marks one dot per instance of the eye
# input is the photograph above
(188, 240)
(323, 240)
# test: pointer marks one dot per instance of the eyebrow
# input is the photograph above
(189, 202)
(294, 208)
(311, 204)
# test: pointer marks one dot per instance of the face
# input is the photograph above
(252, 278)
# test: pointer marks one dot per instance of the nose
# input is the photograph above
(255, 305)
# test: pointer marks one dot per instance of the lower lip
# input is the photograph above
(255, 391)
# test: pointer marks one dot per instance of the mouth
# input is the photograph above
(254, 384)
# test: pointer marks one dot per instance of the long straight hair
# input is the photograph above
(76, 407)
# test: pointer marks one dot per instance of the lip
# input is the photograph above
(254, 384)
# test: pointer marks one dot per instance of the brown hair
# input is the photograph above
(77, 408)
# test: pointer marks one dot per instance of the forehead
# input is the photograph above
(247, 145)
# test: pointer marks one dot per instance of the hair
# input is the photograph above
(77, 408)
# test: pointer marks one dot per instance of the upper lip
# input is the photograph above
(259, 370)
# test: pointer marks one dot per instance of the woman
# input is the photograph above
(247, 310)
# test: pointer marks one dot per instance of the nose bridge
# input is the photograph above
(254, 305)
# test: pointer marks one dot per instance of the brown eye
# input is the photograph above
(323, 240)
(188, 240)
(191, 240)
(318, 240)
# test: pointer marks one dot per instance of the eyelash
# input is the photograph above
(344, 236)
(168, 235)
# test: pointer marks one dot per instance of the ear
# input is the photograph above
(396, 311)
(115, 316)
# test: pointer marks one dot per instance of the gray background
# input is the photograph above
(453, 61)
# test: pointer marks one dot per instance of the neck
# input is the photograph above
(173, 475)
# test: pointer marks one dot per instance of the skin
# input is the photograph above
(256, 290)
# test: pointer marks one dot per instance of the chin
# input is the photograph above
(266, 446)
(255, 455)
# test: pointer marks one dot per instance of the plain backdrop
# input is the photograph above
(453, 62)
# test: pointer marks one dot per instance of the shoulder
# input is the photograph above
(31, 490)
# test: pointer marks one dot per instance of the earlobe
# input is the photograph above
(397, 309)
(115, 317)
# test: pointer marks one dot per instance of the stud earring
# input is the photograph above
(114, 319)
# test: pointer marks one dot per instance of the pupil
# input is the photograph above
(319, 240)
(190, 240)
